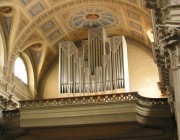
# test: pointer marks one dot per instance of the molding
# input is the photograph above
(94, 99)
(126, 108)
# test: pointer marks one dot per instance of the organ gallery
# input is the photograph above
(89, 69)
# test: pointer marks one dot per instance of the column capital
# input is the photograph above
(175, 57)
(169, 45)
(169, 37)
(151, 4)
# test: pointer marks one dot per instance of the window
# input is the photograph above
(20, 70)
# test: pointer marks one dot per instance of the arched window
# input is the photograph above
(20, 70)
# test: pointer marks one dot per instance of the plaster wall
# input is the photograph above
(51, 84)
(23, 89)
(143, 72)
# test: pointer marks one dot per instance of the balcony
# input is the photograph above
(111, 116)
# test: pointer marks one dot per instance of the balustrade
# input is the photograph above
(104, 98)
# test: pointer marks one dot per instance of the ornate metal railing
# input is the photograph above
(10, 114)
(151, 101)
(118, 97)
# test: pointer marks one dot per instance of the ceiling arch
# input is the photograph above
(52, 21)
(3, 51)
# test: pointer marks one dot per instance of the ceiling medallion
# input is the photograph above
(93, 17)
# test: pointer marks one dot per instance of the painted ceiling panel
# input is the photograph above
(51, 21)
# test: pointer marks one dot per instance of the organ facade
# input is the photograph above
(98, 65)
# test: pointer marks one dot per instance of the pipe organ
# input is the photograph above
(97, 66)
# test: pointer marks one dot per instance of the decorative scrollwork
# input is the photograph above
(152, 101)
(10, 114)
(168, 37)
(108, 98)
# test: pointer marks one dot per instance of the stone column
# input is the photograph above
(169, 47)
(166, 31)
(175, 67)
(176, 78)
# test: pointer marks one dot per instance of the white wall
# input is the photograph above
(143, 72)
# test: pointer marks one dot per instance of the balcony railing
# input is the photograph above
(11, 114)
(151, 101)
(145, 108)
(105, 98)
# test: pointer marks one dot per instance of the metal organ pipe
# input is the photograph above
(62, 71)
(111, 76)
(71, 72)
(62, 75)
(118, 67)
(79, 75)
(114, 69)
(96, 56)
(119, 61)
(122, 68)
(74, 78)
(59, 80)
(66, 73)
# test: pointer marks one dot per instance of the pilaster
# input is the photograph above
(166, 50)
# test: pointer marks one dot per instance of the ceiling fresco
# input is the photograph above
(47, 22)
(92, 17)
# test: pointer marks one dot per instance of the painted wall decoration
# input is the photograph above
(8, 23)
(93, 17)
(36, 9)
(137, 35)
(25, 1)
(22, 24)
(135, 26)
(133, 15)
(55, 34)
(48, 26)
(133, 1)
(37, 56)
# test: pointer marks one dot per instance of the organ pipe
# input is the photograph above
(98, 69)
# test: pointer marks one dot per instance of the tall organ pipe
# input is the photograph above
(95, 75)
(74, 78)
(122, 67)
(118, 68)
(59, 80)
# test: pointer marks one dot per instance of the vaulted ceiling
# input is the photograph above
(37, 26)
